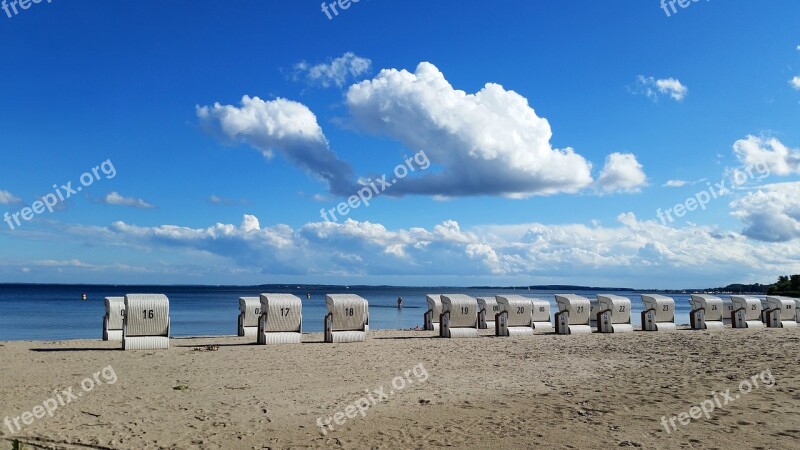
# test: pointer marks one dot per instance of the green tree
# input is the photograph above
(785, 284)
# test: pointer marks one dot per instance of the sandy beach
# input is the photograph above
(415, 391)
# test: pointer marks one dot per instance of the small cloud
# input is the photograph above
(654, 88)
(767, 155)
(319, 198)
(621, 173)
(795, 82)
(675, 183)
(217, 200)
(338, 72)
(115, 199)
(7, 198)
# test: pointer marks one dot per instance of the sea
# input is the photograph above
(58, 312)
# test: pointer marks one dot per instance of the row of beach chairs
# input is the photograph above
(517, 315)
(141, 321)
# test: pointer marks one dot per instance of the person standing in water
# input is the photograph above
(399, 302)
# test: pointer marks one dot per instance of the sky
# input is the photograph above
(633, 143)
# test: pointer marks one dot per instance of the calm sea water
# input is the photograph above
(44, 312)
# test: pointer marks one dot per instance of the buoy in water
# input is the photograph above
(83, 297)
(308, 296)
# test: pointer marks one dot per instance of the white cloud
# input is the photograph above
(217, 200)
(487, 143)
(772, 213)
(280, 125)
(63, 263)
(7, 198)
(337, 72)
(675, 183)
(795, 82)
(762, 152)
(621, 173)
(652, 88)
(630, 252)
(114, 198)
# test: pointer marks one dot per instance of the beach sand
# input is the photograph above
(546, 391)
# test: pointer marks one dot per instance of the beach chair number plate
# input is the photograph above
(622, 308)
(347, 312)
(465, 310)
(285, 312)
(665, 308)
(148, 314)
(520, 310)
(579, 309)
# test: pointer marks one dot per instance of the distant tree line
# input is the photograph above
(739, 288)
(786, 285)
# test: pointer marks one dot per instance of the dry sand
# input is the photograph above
(546, 391)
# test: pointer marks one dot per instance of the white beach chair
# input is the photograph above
(659, 313)
(280, 319)
(573, 315)
(706, 312)
(146, 325)
(727, 311)
(797, 309)
(541, 315)
(515, 317)
(782, 312)
(764, 309)
(459, 316)
(594, 308)
(614, 315)
(347, 319)
(746, 312)
(249, 313)
(434, 312)
(487, 310)
(112, 321)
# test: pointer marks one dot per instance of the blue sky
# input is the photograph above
(554, 131)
